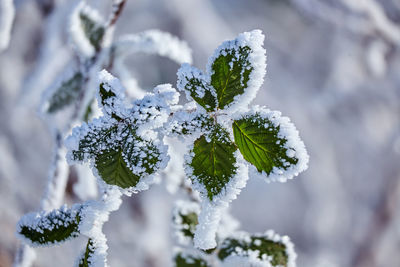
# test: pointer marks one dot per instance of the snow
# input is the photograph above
(7, 13)
(86, 187)
(154, 42)
(57, 180)
(93, 215)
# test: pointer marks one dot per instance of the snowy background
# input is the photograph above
(333, 68)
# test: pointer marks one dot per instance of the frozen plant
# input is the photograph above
(126, 147)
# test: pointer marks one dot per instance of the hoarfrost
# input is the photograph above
(7, 13)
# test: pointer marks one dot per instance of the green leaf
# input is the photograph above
(193, 81)
(213, 163)
(84, 261)
(93, 141)
(66, 93)
(186, 260)
(231, 71)
(185, 123)
(125, 164)
(266, 248)
(93, 30)
(260, 142)
(50, 227)
(185, 219)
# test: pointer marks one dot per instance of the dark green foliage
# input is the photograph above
(93, 31)
(184, 260)
(208, 100)
(263, 245)
(66, 93)
(113, 164)
(260, 144)
(213, 162)
(188, 224)
(54, 227)
(85, 260)
(231, 71)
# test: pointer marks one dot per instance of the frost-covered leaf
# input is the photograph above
(185, 123)
(45, 228)
(234, 74)
(270, 143)
(125, 165)
(231, 71)
(93, 30)
(87, 29)
(212, 161)
(269, 248)
(187, 260)
(194, 82)
(84, 261)
(65, 93)
(185, 219)
(123, 144)
(237, 68)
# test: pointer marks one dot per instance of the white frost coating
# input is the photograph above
(93, 215)
(294, 145)
(228, 225)
(251, 258)
(7, 13)
(86, 187)
(257, 58)
(135, 129)
(185, 74)
(24, 256)
(40, 221)
(57, 180)
(50, 91)
(183, 208)
(78, 37)
(174, 173)
(113, 85)
(154, 42)
(210, 215)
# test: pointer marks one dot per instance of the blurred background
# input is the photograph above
(333, 67)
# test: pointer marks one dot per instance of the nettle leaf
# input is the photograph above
(93, 30)
(45, 228)
(194, 82)
(186, 260)
(65, 93)
(84, 261)
(237, 68)
(185, 219)
(213, 161)
(270, 143)
(268, 248)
